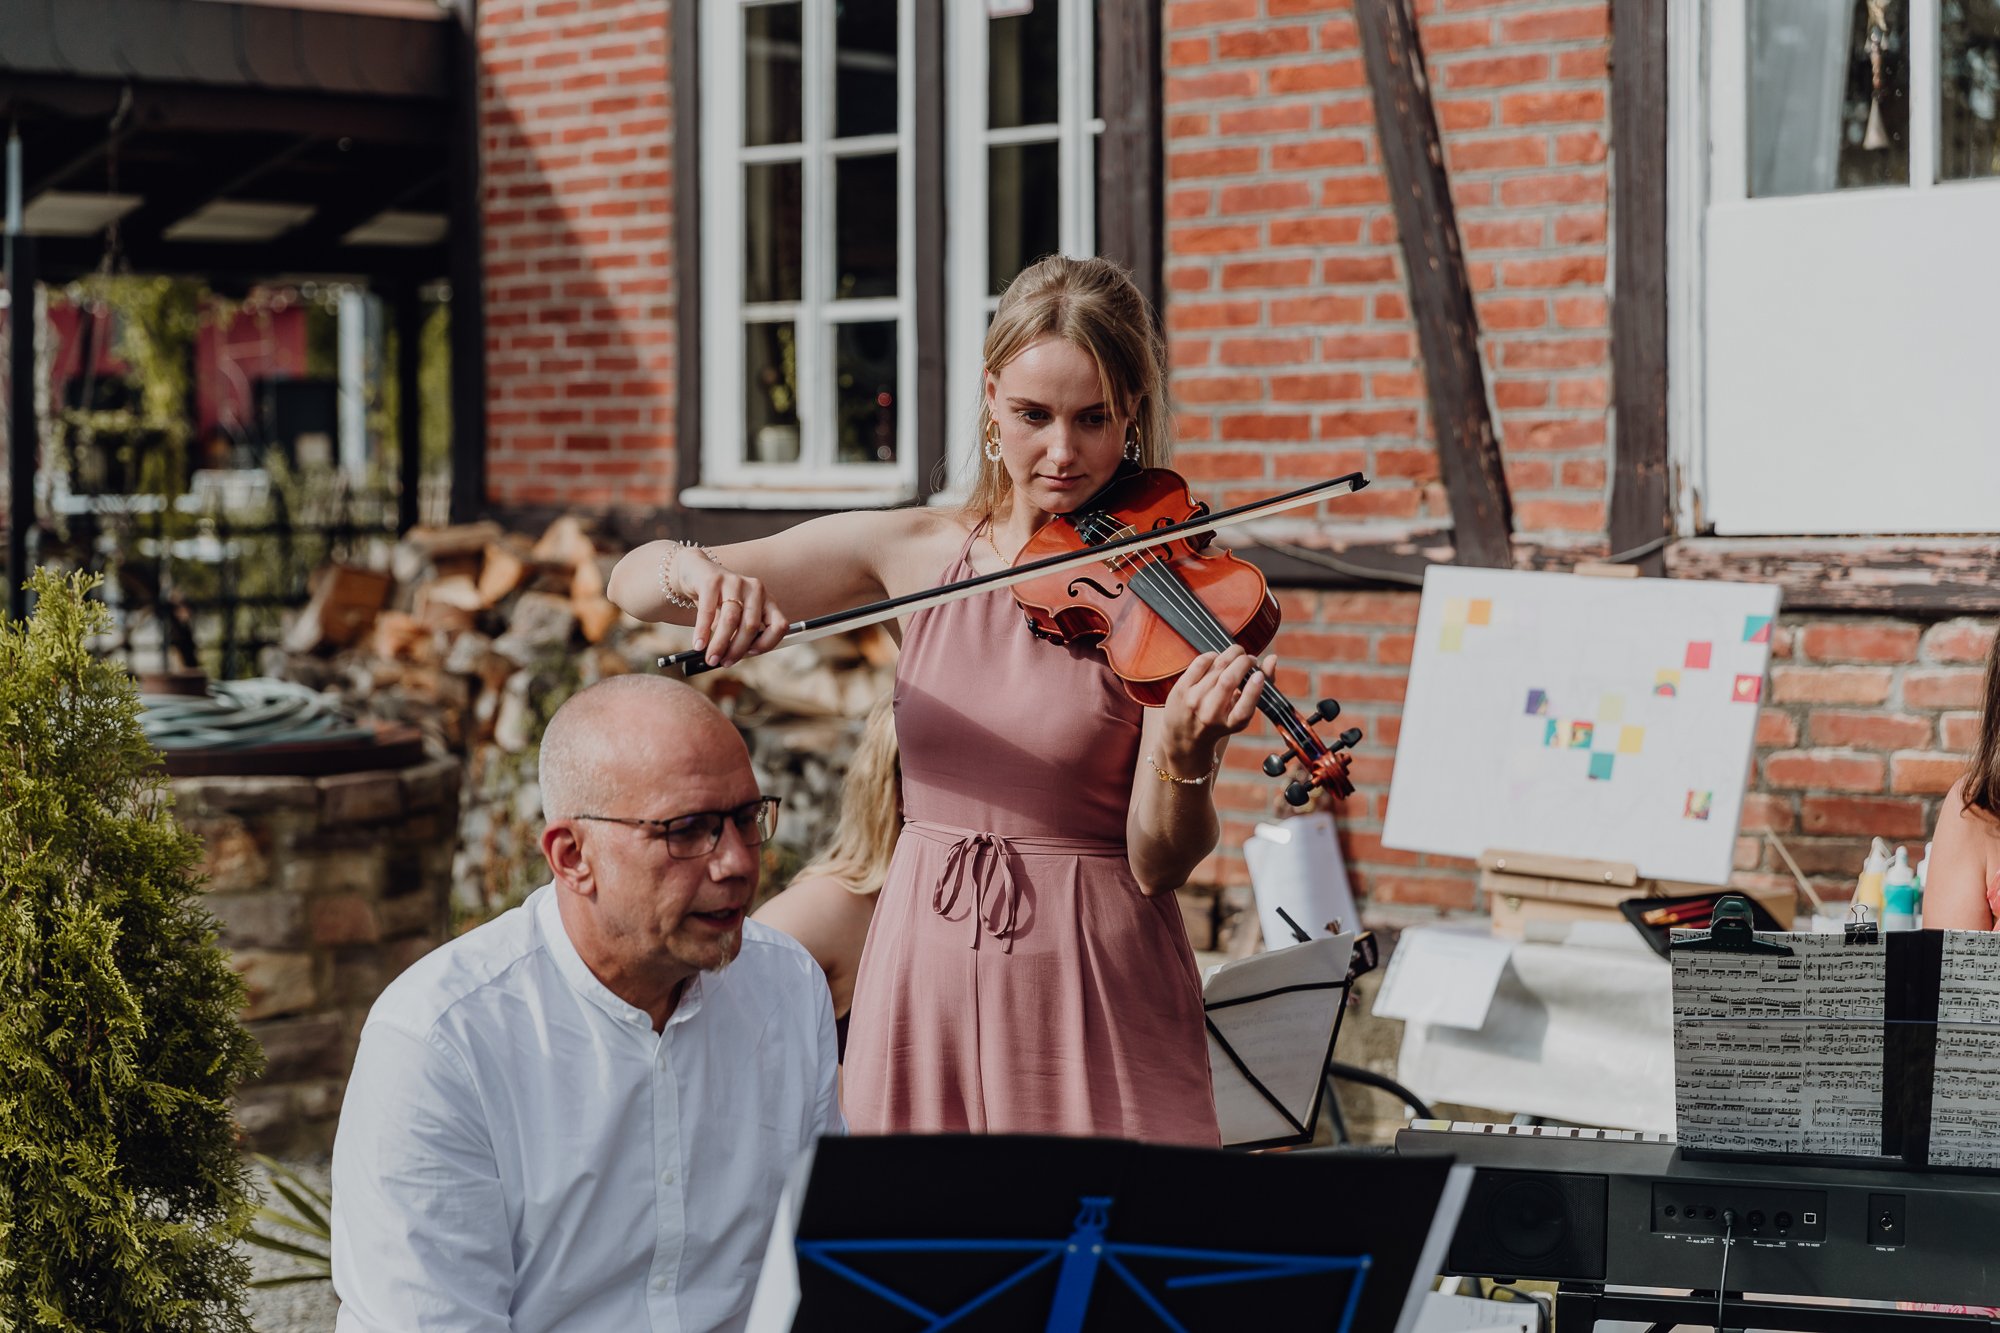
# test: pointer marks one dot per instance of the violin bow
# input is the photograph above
(693, 661)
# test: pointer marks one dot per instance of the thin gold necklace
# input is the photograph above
(996, 545)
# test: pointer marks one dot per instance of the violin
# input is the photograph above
(1151, 611)
(1139, 549)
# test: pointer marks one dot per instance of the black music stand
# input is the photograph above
(993, 1232)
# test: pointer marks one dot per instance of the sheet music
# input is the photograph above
(1965, 1098)
(1282, 1038)
(1781, 1054)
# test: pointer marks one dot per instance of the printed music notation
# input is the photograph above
(1781, 1053)
(1965, 1098)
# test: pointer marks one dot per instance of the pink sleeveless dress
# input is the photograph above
(1015, 980)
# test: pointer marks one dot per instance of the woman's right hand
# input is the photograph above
(734, 616)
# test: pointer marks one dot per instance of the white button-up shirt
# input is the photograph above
(519, 1150)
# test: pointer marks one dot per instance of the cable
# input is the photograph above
(1722, 1285)
(1337, 565)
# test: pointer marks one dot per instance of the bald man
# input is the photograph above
(578, 1117)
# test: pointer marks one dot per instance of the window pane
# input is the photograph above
(865, 68)
(771, 72)
(1829, 95)
(1023, 224)
(865, 387)
(1021, 67)
(771, 376)
(773, 213)
(865, 226)
(1969, 82)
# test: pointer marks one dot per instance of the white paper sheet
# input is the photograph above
(1609, 719)
(1574, 1033)
(1780, 1054)
(1445, 1313)
(1296, 864)
(1282, 1038)
(1445, 977)
(1965, 1098)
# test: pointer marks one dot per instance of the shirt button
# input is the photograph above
(660, 1283)
(666, 1177)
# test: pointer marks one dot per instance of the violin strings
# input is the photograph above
(1159, 577)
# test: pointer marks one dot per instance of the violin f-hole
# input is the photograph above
(1102, 591)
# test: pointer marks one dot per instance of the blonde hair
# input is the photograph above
(1091, 304)
(871, 809)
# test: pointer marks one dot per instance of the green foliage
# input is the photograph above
(310, 1216)
(121, 1189)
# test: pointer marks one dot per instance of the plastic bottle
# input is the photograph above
(1868, 889)
(1923, 882)
(1899, 894)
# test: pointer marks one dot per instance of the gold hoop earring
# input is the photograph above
(1134, 447)
(992, 442)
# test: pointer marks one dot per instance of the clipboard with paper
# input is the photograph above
(1272, 1021)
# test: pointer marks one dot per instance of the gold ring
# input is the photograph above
(727, 600)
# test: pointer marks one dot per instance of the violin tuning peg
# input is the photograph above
(1347, 740)
(1328, 709)
(1274, 764)
(1297, 793)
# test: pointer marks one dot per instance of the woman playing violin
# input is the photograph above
(1027, 970)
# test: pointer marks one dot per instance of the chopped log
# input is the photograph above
(567, 541)
(452, 546)
(596, 617)
(343, 606)
(500, 575)
(398, 635)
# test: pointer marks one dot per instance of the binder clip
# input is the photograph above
(1732, 929)
(1860, 929)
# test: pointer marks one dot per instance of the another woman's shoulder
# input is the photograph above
(1972, 819)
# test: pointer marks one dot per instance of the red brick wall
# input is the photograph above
(1293, 350)
(578, 145)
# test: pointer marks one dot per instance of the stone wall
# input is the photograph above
(326, 889)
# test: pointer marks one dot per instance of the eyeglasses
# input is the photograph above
(689, 836)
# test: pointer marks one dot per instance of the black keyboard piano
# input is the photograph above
(1597, 1208)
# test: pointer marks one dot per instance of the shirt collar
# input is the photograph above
(548, 916)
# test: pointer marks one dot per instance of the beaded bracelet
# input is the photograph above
(1178, 781)
(667, 558)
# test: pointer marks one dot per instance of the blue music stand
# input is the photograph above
(1070, 1235)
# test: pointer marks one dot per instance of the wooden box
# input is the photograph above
(1523, 886)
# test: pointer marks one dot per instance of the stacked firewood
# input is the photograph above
(476, 635)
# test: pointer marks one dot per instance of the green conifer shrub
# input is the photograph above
(121, 1187)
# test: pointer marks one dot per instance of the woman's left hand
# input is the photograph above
(1214, 699)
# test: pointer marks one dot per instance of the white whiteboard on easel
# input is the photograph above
(1608, 719)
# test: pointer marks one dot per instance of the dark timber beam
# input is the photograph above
(467, 271)
(408, 311)
(932, 421)
(1132, 214)
(686, 92)
(1440, 294)
(1641, 503)
(23, 434)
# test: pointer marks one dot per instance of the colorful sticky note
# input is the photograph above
(1698, 803)
(1538, 702)
(1697, 656)
(1451, 638)
(1611, 708)
(1667, 682)
(1756, 629)
(1749, 689)
(1479, 611)
(1631, 740)
(1580, 734)
(1557, 734)
(1454, 611)
(1600, 767)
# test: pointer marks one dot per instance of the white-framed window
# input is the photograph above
(808, 354)
(1024, 125)
(1834, 203)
